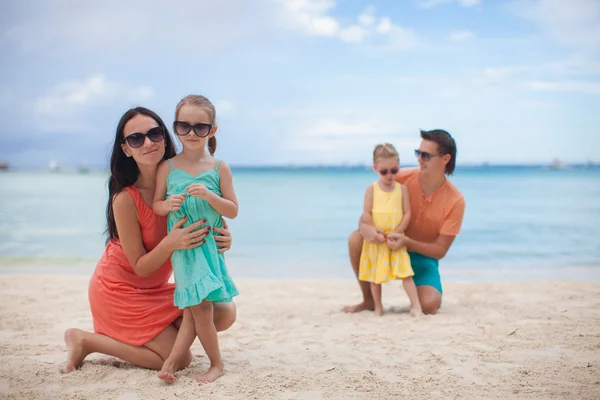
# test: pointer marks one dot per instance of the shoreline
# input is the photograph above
(243, 269)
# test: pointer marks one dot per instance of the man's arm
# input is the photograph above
(437, 249)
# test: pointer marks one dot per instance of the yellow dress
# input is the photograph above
(379, 264)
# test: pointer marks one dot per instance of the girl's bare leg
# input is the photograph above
(207, 333)
(411, 291)
(376, 291)
(185, 339)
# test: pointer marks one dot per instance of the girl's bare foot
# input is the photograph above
(167, 372)
(416, 311)
(378, 311)
(75, 348)
(213, 373)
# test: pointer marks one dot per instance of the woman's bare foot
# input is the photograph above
(416, 312)
(75, 348)
(167, 372)
(378, 311)
(213, 373)
(358, 307)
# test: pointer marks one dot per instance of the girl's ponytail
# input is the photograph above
(212, 145)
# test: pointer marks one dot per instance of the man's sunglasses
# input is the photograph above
(425, 155)
(384, 172)
(183, 128)
(137, 139)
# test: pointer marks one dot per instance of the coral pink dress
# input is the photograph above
(125, 306)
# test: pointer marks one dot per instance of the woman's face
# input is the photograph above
(150, 152)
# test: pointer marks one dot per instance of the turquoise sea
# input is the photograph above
(519, 221)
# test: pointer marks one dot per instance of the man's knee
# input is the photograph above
(430, 307)
(430, 299)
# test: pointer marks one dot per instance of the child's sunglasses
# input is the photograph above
(183, 128)
(137, 139)
(384, 172)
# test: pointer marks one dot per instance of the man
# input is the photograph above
(437, 209)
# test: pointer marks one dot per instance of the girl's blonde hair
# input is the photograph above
(203, 102)
(385, 150)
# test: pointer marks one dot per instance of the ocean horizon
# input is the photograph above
(520, 220)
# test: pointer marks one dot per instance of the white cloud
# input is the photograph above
(313, 17)
(568, 86)
(367, 18)
(460, 36)
(129, 27)
(435, 3)
(335, 128)
(574, 22)
(59, 107)
(353, 34)
(384, 26)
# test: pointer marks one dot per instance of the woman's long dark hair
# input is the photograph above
(124, 170)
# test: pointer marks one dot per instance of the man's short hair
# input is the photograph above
(446, 145)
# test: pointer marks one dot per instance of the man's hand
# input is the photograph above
(396, 240)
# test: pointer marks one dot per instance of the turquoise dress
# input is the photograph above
(200, 272)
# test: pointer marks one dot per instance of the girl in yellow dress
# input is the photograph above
(387, 208)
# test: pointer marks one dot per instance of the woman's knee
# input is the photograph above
(202, 311)
(186, 361)
(225, 315)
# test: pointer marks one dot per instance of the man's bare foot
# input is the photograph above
(167, 372)
(75, 348)
(416, 312)
(213, 373)
(358, 307)
(379, 311)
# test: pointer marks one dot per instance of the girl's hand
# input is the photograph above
(187, 238)
(198, 191)
(395, 241)
(223, 238)
(174, 202)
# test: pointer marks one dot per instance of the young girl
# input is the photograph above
(387, 208)
(195, 185)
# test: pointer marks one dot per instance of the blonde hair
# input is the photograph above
(202, 102)
(385, 150)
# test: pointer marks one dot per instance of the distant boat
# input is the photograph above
(556, 164)
(53, 166)
(3, 166)
(83, 168)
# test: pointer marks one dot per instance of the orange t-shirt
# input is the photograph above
(439, 214)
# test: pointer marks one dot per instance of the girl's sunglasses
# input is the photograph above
(137, 139)
(384, 172)
(425, 155)
(183, 128)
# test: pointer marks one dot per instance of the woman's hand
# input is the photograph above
(223, 237)
(187, 238)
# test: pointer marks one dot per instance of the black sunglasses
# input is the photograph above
(384, 172)
(137, 139)
(425, 155)
(183, 128)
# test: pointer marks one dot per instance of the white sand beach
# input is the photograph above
(490, 340)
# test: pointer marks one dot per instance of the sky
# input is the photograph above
(305, 82)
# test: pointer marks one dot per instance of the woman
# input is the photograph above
(130, 298)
